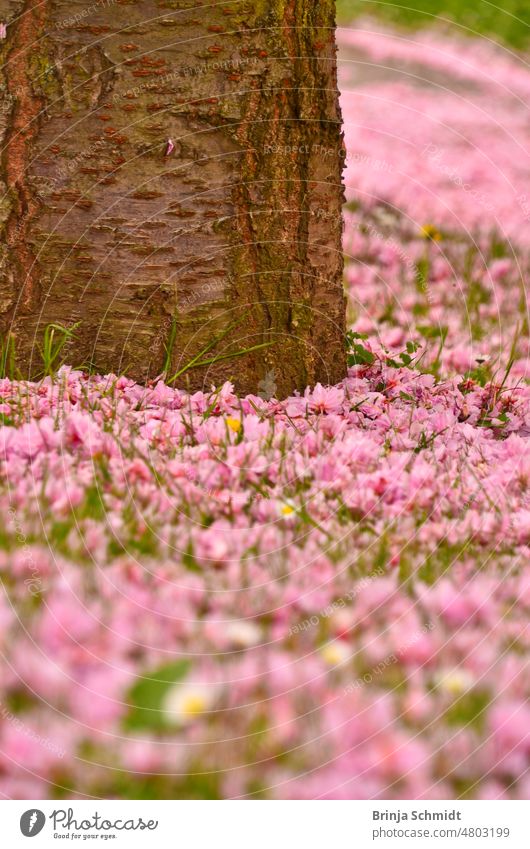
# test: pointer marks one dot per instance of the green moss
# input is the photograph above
(43, 74)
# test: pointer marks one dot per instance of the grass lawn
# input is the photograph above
(509, 24)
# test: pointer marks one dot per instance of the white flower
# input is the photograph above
(455, 681)
(243, 634)
(286, 509)
(186, 702)
(335, 653)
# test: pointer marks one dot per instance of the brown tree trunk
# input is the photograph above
(237, 229)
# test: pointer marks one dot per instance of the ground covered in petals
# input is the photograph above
(208, 596)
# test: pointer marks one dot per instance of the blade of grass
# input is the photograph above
(170, 345)
(233, 355)
(7, 357)
(51, 349)
(193, 362)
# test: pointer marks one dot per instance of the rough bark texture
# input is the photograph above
(240, 226)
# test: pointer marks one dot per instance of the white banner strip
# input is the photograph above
(266, 825)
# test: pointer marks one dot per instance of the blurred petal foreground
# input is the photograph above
(207, 596)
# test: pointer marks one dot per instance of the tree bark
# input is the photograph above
(230, 232)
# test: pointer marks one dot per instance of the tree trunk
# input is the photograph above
(225, 238)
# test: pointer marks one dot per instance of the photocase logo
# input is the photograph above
(32, 822)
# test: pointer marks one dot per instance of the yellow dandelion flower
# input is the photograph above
(429, 231)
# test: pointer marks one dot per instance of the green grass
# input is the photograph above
(197, 361)
(509, 25)
(55, 338)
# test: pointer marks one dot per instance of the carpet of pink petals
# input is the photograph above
(208, 596)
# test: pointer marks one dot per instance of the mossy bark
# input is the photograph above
(238, 227)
